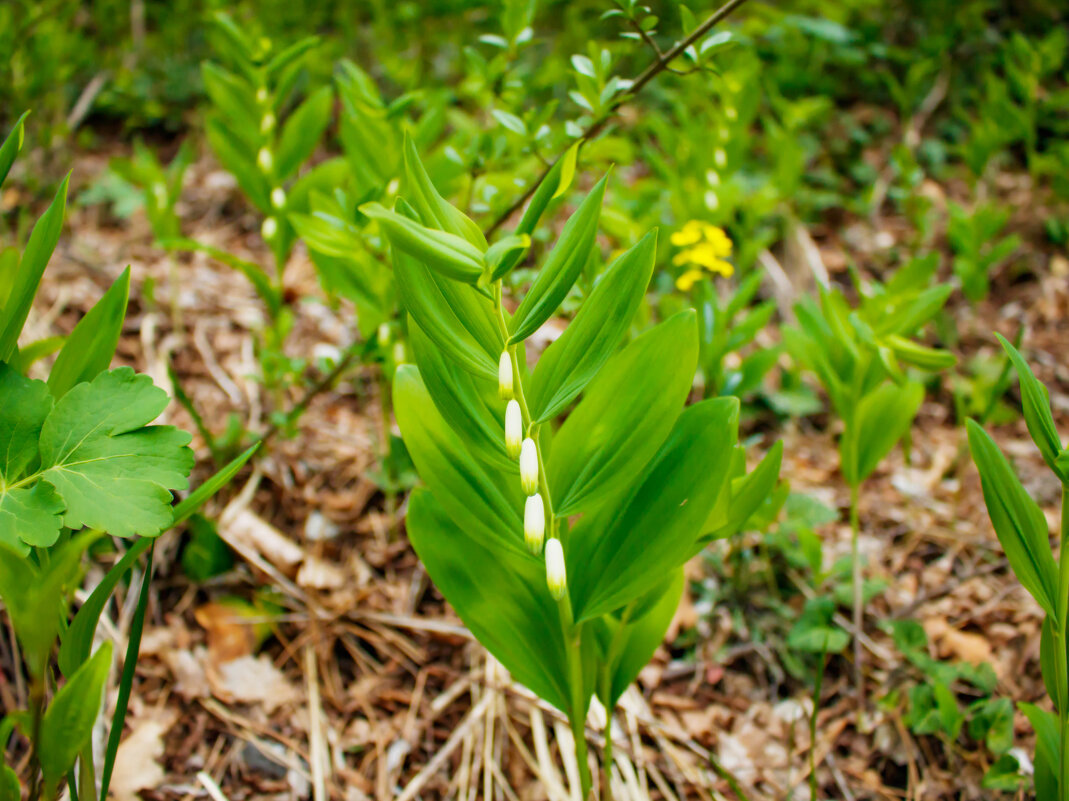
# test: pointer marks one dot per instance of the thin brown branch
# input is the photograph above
(647, 75)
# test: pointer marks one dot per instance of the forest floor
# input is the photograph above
(368, 686)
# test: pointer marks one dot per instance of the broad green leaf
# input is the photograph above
(499, 593)
(623, 550)
(35, 258)
(556, 182)
(640, 638)
(11, 146)
(91, 345)
(78, 638)
(1037, 415)
(30, 516)
(470, 404)
(504, 248)
(624, 416)
(455, 316)
(882, 418)
(68, 722)
(483, 500)
(745, 495)
(113, 470)
(290, 55)
(916, 313)
(327, 233)
(238, 159)
(561, 268)
(232, 97)
(569, 364)
(1048, 739)
(1017, 520)
(10, 789)
(25, 407)
(920, 356)
(302, 131)
(445, 253)
(435, 211)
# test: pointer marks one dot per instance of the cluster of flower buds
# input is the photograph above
(534, 510)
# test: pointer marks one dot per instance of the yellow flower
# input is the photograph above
(686, 281)
(709, 250)
(689, 234)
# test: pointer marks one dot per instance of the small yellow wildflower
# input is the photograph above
(704, 246)
(689, 234)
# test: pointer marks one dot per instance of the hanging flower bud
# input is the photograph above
(265, 159)
(556, 579)
(504, 376)
(269, 229)
(513, 429)
(529, 466)
(267, 123)
(278, 197)
(261, 95)
(534, 523)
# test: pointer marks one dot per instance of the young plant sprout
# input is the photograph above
(618, 496)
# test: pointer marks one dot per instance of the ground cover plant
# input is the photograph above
(587, 400)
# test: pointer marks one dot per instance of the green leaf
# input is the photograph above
(562, 267)
(232, 97)
(641, 638)
(925, 358)
(556, 182)
(510, 121)
(35, 258)
(11, 146)
(1017, 519)
(746, 495)
(9, 785)
(470, 404)
(627, 547)
(814, 632)
(569, 364)
(1037, 415)
(483, 500)
(302, 131)
(625, 414)
(36, 597)
(435, 211)
(234, 154)
(113, 470)
(445, 253)
(883, 417)
(68, 722)
(455, 316)
(91, 345)
(78, 638)
(499, 593)
(1048, 738)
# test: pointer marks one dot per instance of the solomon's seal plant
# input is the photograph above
(858, 354)
(560, 544)
(1022, 531)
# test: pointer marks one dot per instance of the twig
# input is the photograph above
(323, 384)
(647, 75)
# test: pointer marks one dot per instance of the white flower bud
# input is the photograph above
(265, 159)
(534, 523)
(513, 429)
(504, 375)
(384, 335)
(529, 466)
(267, 123)
(556, 579)
(269, 229)
(278, 197)
(261, 95)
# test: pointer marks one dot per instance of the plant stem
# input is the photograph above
(385, 404)
(647, 75)
(817, 685)
(859, 599)
(571, 631)
(1061, 627)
